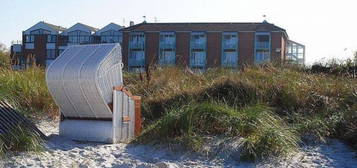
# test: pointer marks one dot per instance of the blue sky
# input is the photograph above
(326, 27)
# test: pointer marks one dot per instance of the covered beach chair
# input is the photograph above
(86, 82)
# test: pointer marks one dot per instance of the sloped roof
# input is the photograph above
(43, 25)
(80, 26)
(205, 26)
(110, 26)
(58, 28)
(89, 27)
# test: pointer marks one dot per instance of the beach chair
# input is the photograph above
(86, 82)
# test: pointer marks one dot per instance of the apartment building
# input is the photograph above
(195, 45)
(204, 45)
(44, 42)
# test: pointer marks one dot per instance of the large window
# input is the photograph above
(262, 47)
(111, 36)
(40, 31)
(198, 50)
(136, 50)
(78, 37)
(167, 55)
(229, 49)
(29, 38)
(51, 54)
(51, 39)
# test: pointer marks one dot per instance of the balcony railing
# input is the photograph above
(229, 59)
(198, 45)
(262, 45)
(229, 45)
(167, 45)
(137, 59)
(136, 45)
(198, 60)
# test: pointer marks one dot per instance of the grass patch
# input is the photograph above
(20, 139)
(265, 134)
(28, 90)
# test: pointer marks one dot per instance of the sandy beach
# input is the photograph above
(62, 152)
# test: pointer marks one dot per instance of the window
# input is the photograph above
(111, 36)
(29, 38)
(262, 47)
(167, 54)
(78, 37)
(198, 50)
(136, 50)
(51, 39)
(51, 54)
(229, 49)
(40, 32)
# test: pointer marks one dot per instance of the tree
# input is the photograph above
(4, 56)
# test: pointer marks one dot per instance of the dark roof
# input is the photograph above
(58, 28)
(216, 26)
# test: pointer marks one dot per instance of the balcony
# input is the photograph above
(136, 45)
(198, 59)
(167, 58)
(230, 59)
(167, 45)
(229, 45)
(137, 59)
(262, 45)
(198, 45)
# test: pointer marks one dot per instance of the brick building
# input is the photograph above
(44, 42)
(196, 45)
(203, 45)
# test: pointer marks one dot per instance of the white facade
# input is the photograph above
(80, 27)
(41, 25)
(111, 26)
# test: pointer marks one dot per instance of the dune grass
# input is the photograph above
(20, 139)
(264, 133)
(273, 108)
(304, 105)
(28, 90)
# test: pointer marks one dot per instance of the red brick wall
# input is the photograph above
(246, 48)
(283, 49)
(125, 49)
(40, 49)
(151, 48)
(276, 43)
(214, 48)
(182, 48)
(62, 40)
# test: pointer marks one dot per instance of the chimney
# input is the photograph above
(131, 23)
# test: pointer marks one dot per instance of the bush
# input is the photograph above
(4, 58)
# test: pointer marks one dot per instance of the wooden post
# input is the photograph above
(137, 129)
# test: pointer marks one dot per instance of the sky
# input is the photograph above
(328, 28)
